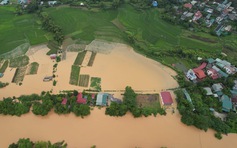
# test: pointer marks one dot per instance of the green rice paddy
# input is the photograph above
(16, 30)
(150, 31)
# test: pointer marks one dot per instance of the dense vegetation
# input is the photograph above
(130, 104)
(3, 84)
(198, 112)
(27, 143)
(43, 104)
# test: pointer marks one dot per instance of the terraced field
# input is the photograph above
(150, 31)
(16, 30)
(146, 26)
(86, 25)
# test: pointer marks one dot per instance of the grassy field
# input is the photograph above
(80, 57)
(32, 68)
(16, 30)
(84, 80)
(74, 77)
(19, 61)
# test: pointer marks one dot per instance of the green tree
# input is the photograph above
(116, 109)
(19, 9)
(33, 6)
(81, 110)
(25, 143)
(130, 98)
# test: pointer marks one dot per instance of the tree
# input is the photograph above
(116, 109)
(137, 112)
(25, 143)
(115, 4)
(19, 9)
(81, 110)
(61, 109)
(130, 98)
(33, 6)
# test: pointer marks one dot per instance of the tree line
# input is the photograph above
(49, 25)
(27, 143)
(43, 104)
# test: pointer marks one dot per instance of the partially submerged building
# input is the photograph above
(102, 99)
(166, 98)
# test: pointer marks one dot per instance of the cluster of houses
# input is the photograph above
(213, 68)
(216, 90)
(4, 2)
(228, 102)
(100, 99)
(50, 3)
(212, 13)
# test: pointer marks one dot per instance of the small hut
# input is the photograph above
(166, 98)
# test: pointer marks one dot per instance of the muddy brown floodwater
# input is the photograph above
(118, 69)
(106, 132)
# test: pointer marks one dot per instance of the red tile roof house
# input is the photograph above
(188, 5)
(212, 73)
(197, 16)
(93, 96)
(199, 72)
(234, 100)
(166, 98)
(64, 101)
(80, 99)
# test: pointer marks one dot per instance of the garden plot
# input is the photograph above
(80, 57)
(19, 75)
(74, 76)
(32, 68)
(84, 80)
(86, 58)
(19, 61)
(95, 83)
(91, 62)
(147, 100)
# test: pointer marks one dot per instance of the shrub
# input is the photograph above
(218, 135)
